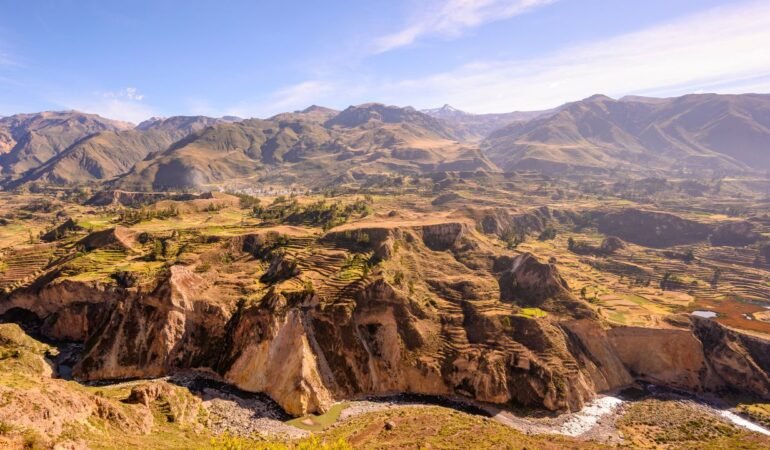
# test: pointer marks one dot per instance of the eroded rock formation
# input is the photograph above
(398, 307)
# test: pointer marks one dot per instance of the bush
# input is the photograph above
(5, 428)
(548, 234)
(246, 201)
(34, 441)
(512, 237)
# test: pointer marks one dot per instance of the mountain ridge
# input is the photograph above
(711, 132)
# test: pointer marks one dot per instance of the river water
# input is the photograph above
(585, 420)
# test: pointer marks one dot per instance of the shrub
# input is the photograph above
(5, 428)
(548, 234)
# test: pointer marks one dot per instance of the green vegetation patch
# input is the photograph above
(439, 428)
(313, 422)
(758, 412)
(533, 313)
(657, 423)
(320, 213)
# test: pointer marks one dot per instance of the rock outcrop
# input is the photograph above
(118, 237)
(61, 230)
(428, 308)
(652, 228)
(697, 355)
(148, 335)
(735, 234)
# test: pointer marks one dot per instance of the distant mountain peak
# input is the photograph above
(445, 110)
(598, 98)
(317, 108)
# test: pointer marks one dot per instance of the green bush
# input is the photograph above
(5, 428)
(548, 234)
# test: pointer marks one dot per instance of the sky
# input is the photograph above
(132, 60)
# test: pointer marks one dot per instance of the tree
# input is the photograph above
(548, 234)
(715, 277)
(570, 244)
(664, 280)
(157, 250)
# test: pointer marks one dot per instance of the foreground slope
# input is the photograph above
(508, 291)
(419, 303)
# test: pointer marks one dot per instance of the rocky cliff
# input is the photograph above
(427, 308)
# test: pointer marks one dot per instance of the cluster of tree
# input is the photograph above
(357, 236)
(580, 247)
(214, 207)
(549, 233)
(246, 201)
(687, 256)
(40, 205)
(512, 237)
(670, 281)
(320, 213)
(130, 216)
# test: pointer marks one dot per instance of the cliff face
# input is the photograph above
(670, 357)
(306, 355)
(428, 308)
(149, 335)
(697, 355)
(738, 360)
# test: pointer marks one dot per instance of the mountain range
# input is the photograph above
(720, 132)
(320, 146)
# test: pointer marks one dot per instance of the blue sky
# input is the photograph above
(135, 59)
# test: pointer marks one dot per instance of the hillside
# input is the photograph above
(694, 132)
(109, 154)
(371, 139)
(519, 301)
(320, 147)
(481, 125)
(29, 140)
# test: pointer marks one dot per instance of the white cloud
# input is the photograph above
(300, 95)
(124, 104)
(129, 93)
(289, 98)
(720, 50)
(450, 18)
(115, 108)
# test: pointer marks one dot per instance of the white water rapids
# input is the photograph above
(587, 418)
(584, 420)
(743, 423)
